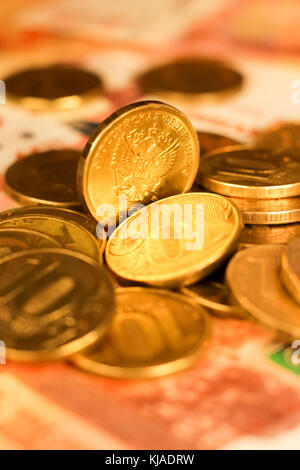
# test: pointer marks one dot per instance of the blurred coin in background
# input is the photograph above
(53, 87)
(290, 269)
(209, 141)
(44, 178)
(153, 333)
(247, 172)
(53, 303)
(279, 136)
(253, 278)
(193, 78)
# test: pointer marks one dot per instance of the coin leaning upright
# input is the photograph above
(143, 152)
(290, 269)
(153, 333)
(175, 241)
(247, 172)
(253, 278)
(53, 303)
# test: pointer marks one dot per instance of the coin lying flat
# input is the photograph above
(209, 141)
(57, 212)
(280, 136)
(290, 269)
(213, 294)
(251, 173)
(176, 241)
(54, 176)
(19, 239)
(153, 333)
(191, 78)
(269, 235)
(141, 153)
(68, 234)
(253, 278)
(53, 87)
(53, 303)
(269, 211)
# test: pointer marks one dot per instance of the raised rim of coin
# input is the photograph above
(146, 372)
(232, 189)
(105, 126)
(78, 344)
(185, 276)
(11, 188)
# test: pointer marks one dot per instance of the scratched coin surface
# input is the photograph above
(44, 178)
(290, 269)
(20, 239)
(269, 211)
(176, 241)
(53, 303)
(53, 87)
(209, 141)
(252, 173)
(269, 234)
(68, 234)
(280, 136)
(153, 333)
(214, 294)
(192, 78)
(253, 277)
(142, 153)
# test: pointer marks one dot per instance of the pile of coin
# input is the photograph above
(147, 311)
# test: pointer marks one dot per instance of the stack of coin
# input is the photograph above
(133, 179)
(265, 282)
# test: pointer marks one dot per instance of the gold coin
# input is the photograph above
(290, 269)
(53, 87)
(209, 141)
(268, 211)
(153, 333)
(214, 294)
(269, 235)
(53, 303)
(54, 176)
(242, 171)
(280, 136)
(57, 212)
(20, 239)
(176, 241)
(193, 78)
(68, 234)
(141, 153)
(253, 277)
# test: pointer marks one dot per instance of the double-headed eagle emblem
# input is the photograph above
(142, 160)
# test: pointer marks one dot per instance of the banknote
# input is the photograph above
(245, 391)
